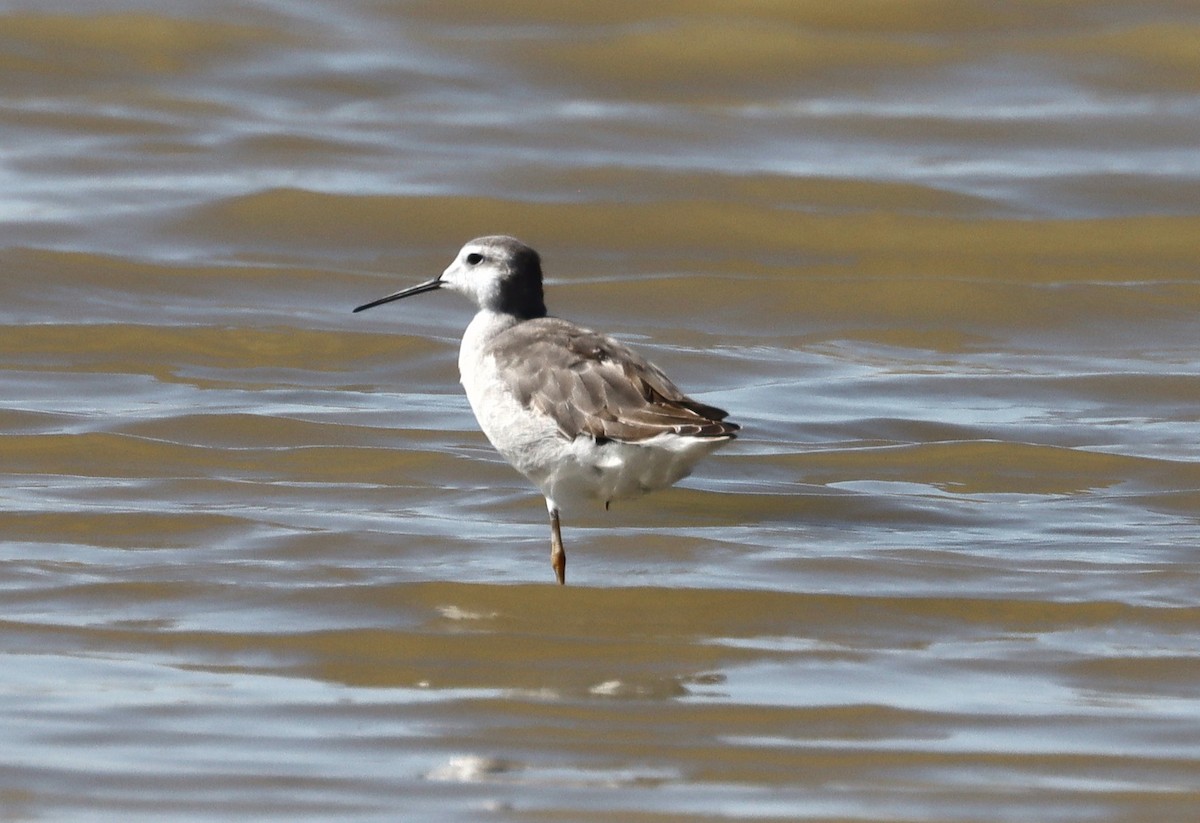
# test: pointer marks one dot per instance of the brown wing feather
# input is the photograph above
(591, 384)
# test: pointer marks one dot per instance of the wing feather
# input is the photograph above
(591, 384)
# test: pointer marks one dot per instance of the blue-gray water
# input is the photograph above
(941, 260)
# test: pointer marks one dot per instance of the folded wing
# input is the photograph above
(591, 384)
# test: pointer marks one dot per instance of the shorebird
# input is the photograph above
(583, 417)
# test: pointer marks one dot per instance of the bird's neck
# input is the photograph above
(476, 340)
(520, 297)
(487, 323)
(483, 328)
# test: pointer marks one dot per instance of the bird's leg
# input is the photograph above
(558, 556)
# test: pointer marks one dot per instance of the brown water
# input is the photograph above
(940, 259)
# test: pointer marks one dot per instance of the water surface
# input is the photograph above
(939, 259)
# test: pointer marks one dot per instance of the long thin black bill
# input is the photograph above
(423, 287)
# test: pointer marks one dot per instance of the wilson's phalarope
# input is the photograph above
(582, 416)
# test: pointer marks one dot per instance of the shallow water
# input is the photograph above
(940, 260)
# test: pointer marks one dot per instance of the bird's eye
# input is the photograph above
(474, 258)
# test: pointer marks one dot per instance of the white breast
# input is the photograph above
(528, 440)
